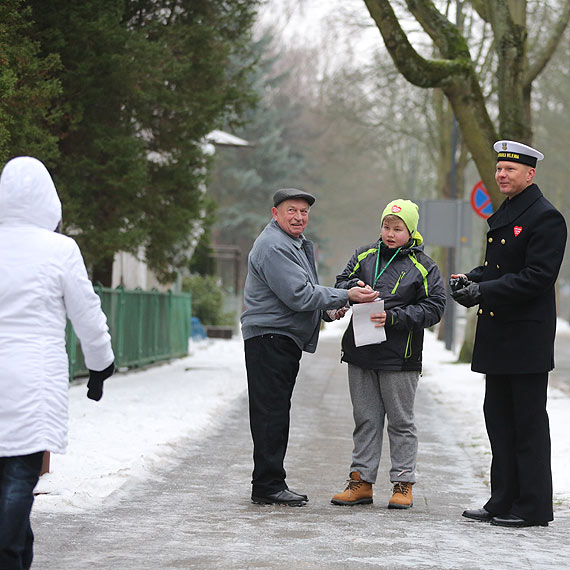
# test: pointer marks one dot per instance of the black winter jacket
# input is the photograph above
(414, 298)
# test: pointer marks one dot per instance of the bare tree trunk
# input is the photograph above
(466, 351)
(456, 73)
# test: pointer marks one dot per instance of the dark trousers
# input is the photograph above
(18, 477)
(272, 363)
(519, 432)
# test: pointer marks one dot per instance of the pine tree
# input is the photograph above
(143, 82)
(245, 178)
(27, 88)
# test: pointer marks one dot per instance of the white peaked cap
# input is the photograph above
(512, 151)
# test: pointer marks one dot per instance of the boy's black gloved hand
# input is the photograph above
(468, 295)
(96, 379)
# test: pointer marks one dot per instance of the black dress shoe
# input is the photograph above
(478, 514)
(304, 497)
(284, 497)
(512, 521)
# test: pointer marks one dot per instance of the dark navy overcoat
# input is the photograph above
(517, 314)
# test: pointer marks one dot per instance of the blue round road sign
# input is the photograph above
(481, 201)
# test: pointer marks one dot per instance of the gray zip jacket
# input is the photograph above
(282, 293)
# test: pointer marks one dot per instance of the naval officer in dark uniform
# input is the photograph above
(514, 342)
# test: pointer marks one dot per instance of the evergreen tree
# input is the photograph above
(27, 88)
(143, 82)
(203, 261)
(245, 178)
(103, 167)
(193, 88)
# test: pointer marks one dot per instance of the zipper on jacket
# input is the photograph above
(398, 282)
(361, 257)
(408, 351)
(421, 269)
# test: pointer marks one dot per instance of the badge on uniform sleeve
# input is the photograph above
(517, 230)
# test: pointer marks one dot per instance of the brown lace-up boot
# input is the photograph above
(357, 492)
(402, 497)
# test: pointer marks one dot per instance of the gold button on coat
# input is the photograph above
(486, 263)
(503, 241)
(480, 311)
(492, 314)
(490, 240)
(498, 266)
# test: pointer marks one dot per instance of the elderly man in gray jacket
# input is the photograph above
(284, 306)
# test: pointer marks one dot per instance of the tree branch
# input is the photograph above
(546, 53)
(481, 7)
(445, 35)
(457, 78)
(415, 68)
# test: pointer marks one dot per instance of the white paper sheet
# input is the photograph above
(365, 331)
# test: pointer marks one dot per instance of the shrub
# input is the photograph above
(207, 299)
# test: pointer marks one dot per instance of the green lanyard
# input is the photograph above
(378, 275)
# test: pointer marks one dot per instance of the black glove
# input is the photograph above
(96, 379)
(468, 295)
(456, 283)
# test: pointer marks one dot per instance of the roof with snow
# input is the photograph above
(222, 138)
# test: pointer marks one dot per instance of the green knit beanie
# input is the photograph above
(409, 213)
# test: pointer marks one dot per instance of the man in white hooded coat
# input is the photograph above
(43, 280)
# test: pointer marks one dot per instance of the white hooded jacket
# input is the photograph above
(42, 279)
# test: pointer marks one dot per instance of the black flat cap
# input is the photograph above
(290, 194)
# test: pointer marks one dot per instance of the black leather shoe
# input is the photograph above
(304, 497)
(284, 497)
(478, 514)
(512, 521)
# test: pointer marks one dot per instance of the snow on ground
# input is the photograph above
(143, 414)
(138, 422)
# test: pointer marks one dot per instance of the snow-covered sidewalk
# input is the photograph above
(144, 415)
(138, 422)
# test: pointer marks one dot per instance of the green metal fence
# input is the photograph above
(145, 327)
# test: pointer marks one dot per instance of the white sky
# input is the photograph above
(327, 24)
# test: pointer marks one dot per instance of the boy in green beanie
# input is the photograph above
(383, 377)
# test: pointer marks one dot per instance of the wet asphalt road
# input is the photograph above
(196, 513)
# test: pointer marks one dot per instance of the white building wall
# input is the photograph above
(131, 272)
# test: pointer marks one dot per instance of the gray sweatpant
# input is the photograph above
(377, 394)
